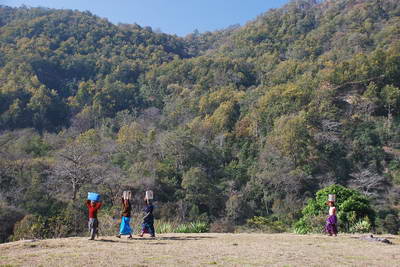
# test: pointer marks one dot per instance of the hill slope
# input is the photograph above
(49, 56)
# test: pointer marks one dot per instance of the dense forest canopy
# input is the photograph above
(223, 126)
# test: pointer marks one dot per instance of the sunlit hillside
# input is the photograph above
(236, 128)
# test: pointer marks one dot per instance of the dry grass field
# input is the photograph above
(204, 250)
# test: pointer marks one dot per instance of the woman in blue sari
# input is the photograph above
(125, 228)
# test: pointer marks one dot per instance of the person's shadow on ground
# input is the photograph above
(170, 238)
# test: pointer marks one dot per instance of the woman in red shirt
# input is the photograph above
(93, 222)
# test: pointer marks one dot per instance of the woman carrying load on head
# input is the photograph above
(93, 223)
(148, 219)
(125, 228)
(331, 221)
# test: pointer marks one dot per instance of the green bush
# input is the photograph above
(9, 216)
(312, 224)
(352, 207)
(223, 225)
(392, 224)
(162, 227)
(362, 226)
(71, 221)
(30, 227)
(193, 227)
(269, 225)
(39, 227)
(302, 227)
(389, 223)
(109, 223)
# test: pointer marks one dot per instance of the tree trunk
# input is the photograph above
(389, 122)
(74, 191)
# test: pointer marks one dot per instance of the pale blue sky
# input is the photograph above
(171, 16)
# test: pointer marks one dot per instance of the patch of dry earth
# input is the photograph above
(203, 250)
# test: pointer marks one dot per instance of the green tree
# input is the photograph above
(391, 98)
(291, 137)
(198, 190)
(352, 207)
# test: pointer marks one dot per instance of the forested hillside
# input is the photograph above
(223, 126)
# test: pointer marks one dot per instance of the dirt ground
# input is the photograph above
(204, 250)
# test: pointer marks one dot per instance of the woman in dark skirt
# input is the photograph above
(331, 221)
(148, 219)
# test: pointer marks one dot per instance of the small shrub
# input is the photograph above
(222, 226)
(312, 224)
(39, 227)
(301, 227)
(9, 216)
(390, 224)
(269, 225)
(193, 227)
(58, 226)
(362, 226)
(30, 227)
(163, 227)
(109, 224)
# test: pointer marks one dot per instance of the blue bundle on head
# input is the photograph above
(93, 196)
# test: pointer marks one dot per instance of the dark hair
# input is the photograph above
(333, 203)
(128, 201)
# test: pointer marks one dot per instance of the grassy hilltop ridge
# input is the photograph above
(203, 250)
